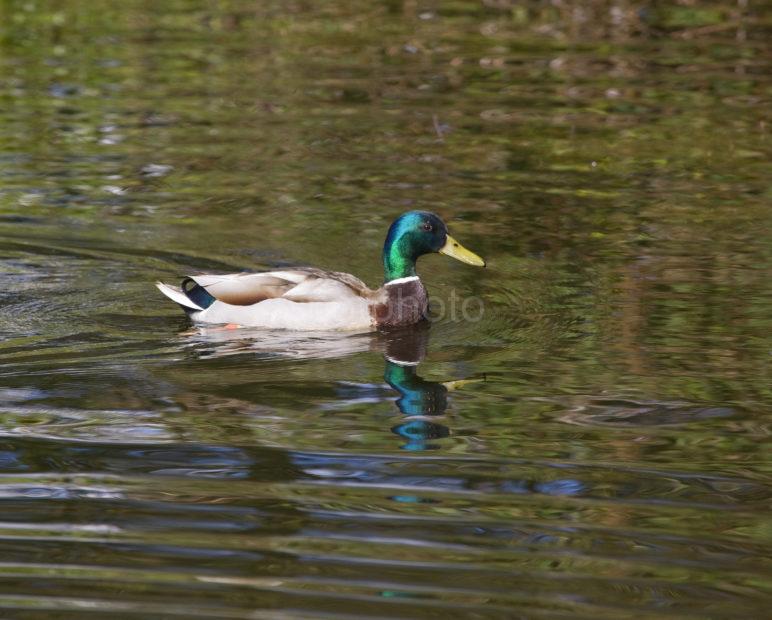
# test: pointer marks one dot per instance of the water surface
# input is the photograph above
(596, 445)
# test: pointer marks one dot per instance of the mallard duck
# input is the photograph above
(312, 299)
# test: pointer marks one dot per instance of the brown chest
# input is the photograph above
(406, 303)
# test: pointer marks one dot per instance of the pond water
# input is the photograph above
(594, 444)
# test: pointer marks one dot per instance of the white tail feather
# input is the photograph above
(177, 296)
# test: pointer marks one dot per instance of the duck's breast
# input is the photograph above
(406, 303)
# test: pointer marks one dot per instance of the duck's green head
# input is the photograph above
(414, 234)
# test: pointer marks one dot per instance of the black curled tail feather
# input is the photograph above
(197, 293)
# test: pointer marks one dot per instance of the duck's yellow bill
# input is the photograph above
(459, 252)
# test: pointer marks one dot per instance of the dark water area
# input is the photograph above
(595, 444)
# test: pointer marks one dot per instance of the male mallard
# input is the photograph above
(311, 299)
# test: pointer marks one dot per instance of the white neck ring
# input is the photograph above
(401, 280)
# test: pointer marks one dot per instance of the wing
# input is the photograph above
(298, 285)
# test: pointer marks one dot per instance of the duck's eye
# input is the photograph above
(426, 226)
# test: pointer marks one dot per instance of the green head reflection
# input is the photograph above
(418, 398)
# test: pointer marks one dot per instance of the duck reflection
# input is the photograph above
(419, 399)
(422, 402)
